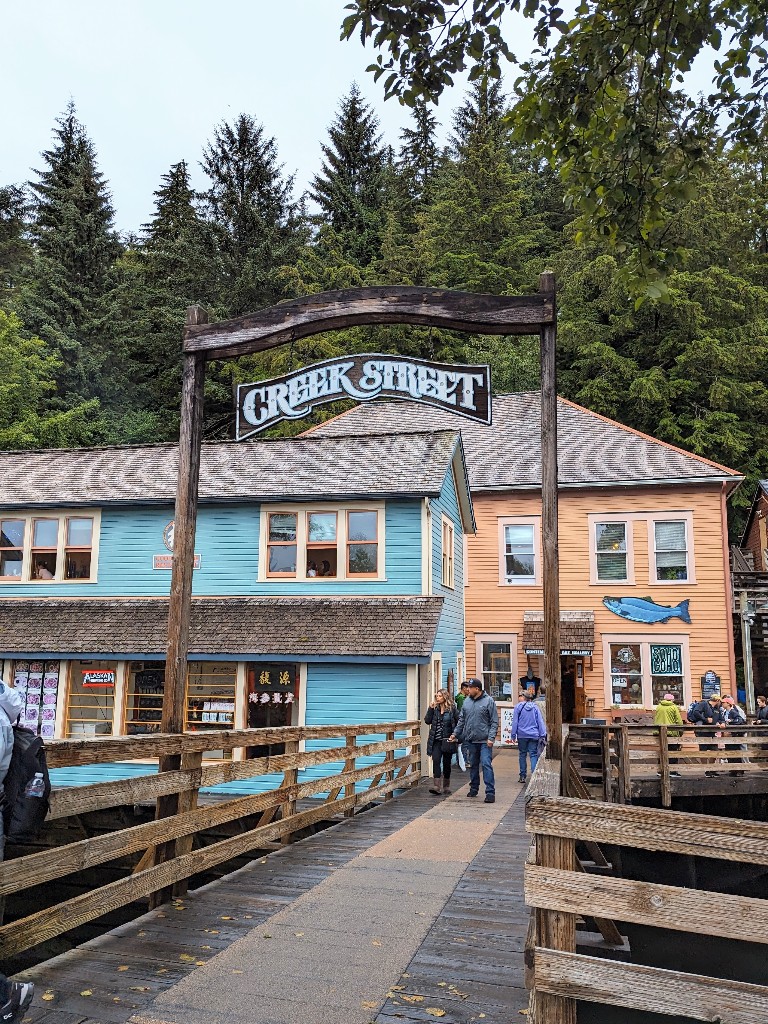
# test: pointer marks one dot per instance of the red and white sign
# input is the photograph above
(166, 562)
(98, 677)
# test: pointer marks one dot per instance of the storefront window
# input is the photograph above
(91, 698)
(211, 699)
(273, 692)
(38, 681)
(497, 669)
(667, 672)
(626, 674)
(144, 707)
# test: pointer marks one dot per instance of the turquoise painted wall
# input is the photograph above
(228, 541)
(450, 631)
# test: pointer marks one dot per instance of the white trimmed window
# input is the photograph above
(447, 552)
(641, 671)
(51, 547)
(322, 542)
(611, 552)
(519, 550)
(670, 551)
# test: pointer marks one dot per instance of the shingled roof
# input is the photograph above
(304, 467)
(397, 629)
(593, 450)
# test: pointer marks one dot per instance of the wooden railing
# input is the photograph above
(164, 846)
(559, 893)
(615, 761)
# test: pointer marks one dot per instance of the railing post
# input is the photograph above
(192, 761)
(349, 766)
(605, 740)
(666, 785)
(290, 778)
(556, 930)
(389, 757)
(622, 743)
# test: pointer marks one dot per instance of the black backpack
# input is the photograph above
(23, 816)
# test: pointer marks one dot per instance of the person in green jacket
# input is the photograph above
(668, 713)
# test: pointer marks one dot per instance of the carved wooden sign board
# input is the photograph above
(465, 390)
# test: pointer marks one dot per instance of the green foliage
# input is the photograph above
(15, 249)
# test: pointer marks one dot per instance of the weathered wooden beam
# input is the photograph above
(659, 906)
(290, 778)
(556, 930)
(651, 989)
(337, 310)
(648, 828)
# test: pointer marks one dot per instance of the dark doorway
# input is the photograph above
(273, 694)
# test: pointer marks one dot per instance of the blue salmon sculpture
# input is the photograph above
(645, 609)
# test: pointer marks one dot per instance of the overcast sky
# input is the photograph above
(151, 78)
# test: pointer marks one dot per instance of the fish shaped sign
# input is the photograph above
(465, 390)
(645, 609)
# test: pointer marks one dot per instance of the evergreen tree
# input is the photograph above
(66, 298)
(419, 156)
(256, 226)
(15, 250)
(349, 190)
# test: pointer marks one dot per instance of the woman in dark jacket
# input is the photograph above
(441, 717)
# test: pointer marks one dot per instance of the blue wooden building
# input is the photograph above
(328, 585)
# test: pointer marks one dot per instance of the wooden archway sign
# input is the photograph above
(301, 318)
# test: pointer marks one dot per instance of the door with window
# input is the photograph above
(273, 695)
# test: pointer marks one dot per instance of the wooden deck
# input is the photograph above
(451, 869)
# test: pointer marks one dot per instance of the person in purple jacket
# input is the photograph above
(528, 730)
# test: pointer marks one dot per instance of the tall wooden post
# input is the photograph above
(551, 572)
(185, 517)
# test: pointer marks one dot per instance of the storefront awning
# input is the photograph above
(320, 628)
(577, 632)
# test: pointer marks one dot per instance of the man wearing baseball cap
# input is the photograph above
(477, 727)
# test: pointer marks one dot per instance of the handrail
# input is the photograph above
(558, 893)
(394, 764)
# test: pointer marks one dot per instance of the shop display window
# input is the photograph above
(626, 674)
(38, 681)
(273, 693)
(90, 699)
(642, 672)
(144, 707)
(497, 668)
(210, 703)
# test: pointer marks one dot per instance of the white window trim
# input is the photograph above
(521, 581)
(497, 638)
(646, 639)
(446, 523)
(436, 667)
(341, 541)
(609, 517)
(666, 517)
(460, 671)
(62, 514)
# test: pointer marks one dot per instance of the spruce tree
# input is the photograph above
(65, 300)
(15, 249)
(349, 190)
(256, 226)
(419, 156)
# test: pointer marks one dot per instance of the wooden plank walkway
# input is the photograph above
(397, 872)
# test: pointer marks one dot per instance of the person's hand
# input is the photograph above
(432, 705)
(452, 739)
(489, 742)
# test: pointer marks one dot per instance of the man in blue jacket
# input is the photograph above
(476, 729)
(528, 731)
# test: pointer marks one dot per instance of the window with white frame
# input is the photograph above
(519, 556)
(641, 672)
(497, 660)
(447, 551)
(611, 554)
(323, 543)
(54, 547)
(670, 550)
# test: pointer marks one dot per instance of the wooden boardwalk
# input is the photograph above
(389, 897)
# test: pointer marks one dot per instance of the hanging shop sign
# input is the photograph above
(166, 561)
(465, 390)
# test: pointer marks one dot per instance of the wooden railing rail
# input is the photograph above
(558, 893)
(396, 765)
(616, 760)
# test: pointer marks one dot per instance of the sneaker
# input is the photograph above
(470, 793)
(19, 997)
(490, 800)
(522, 779)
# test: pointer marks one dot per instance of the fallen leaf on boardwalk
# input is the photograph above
(87, 992)
(369, 1006)
(48, 996)
(456, 992)
(375, 942)
(186, 958)
(433, 1011)
(206, 947)
(161, 970)
(162, 915)
(212, 931)
(299, 935)
(139, 988)
(247, 916)
(524, 1013)
(115, 999)
(442, 984)
(398, 988)
(412, 999)
(405, 974)
(123, 967)
(237, 972)
(200, 963)
(267, 935)
(227, 918)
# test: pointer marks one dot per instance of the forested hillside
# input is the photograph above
(90, 321)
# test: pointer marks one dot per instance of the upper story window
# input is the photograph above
(520, 551)
(611, 552)
(670, 550)
(447, 551)
(322, 543)
(51, 548)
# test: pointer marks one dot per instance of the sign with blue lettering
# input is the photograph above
(465, 390)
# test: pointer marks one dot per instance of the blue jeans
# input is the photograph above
(526, 747)
(481, 754)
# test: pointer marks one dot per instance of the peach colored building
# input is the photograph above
(644, 571)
